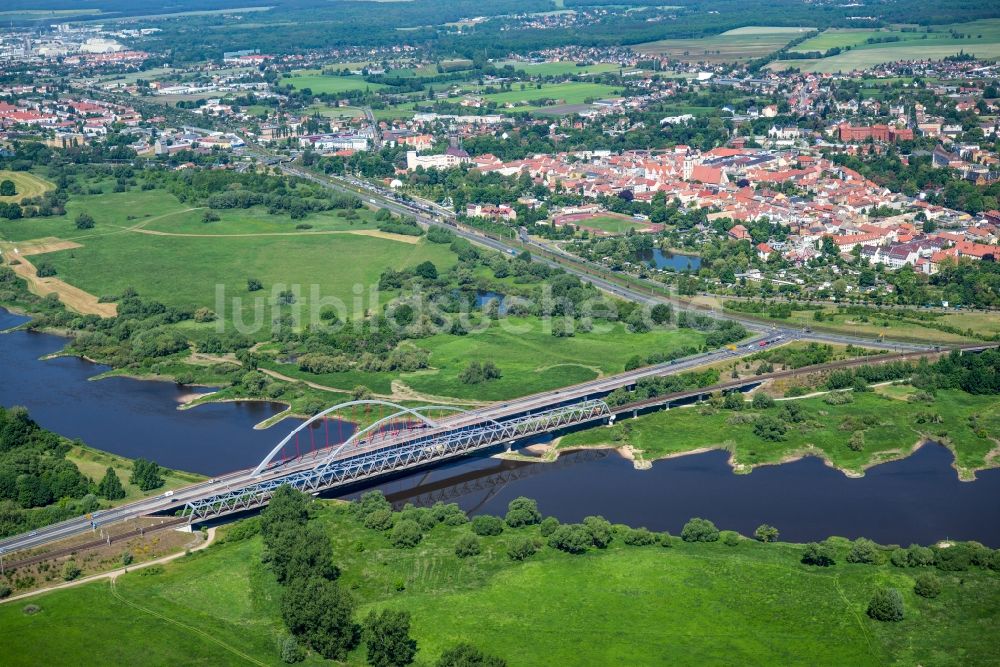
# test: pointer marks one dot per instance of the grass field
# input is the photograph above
(613, 224)
(530, 359)
(981, 38)
(560, 68)
(320, 83)
(732, 46)
(695, 603)
(571, 92)
(93, 463)
(826, 432)
(184, 269)
(26, 184)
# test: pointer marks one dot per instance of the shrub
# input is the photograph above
(572, 538)
(886, 605)
(899, 557)
(863, 551)
(762, 401)
(770, 428)
(818, 554)
(953, 559)
(467, 655)
(522, 548)
(600, 530)
(766, 533)
(919, 556)
(379, 520)
(639, 537)
(406, 534)
(291, 652)
(31, 609)
(730, 538)
(927, 586)
(523, 512)
(486, 524)
(839, 398)
(127, 558)
(666, 539)
(699, 530)
(548, 526)
(857, 441)
(5, 591)
(467, 545)
(71, 571)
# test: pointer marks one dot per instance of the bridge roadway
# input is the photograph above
(499, 411)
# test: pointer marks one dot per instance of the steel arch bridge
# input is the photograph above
(406, 438)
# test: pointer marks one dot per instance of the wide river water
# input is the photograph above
(918, 499)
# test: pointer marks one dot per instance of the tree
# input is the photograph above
(146, 475)
(661, 313)
(522, 512)
(302, 552)
(818, 554)
(600, 530)
(71, 571)
(467, 655)
(769, 428)
(467, 545)
(7, 188)
(406, 534)
(572, 538)
(548, 526)
(927, 585)
(291, 652)
(387, 638)
(486, 524)
(426, 270)
(320, 612)
(733, 401)
(762, 401)
(886, 605)
(84, 221)
(254, 285)
(863, 551)
(110, 486)
(522, 547)
(766, 533)
(699, 530)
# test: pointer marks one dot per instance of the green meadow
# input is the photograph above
(571, 92)
(320, 83)
(560, 68)
(694, 603)
(889, 419)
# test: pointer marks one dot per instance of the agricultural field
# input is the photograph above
(980, 38)
(836, 38)
(221, 605)
(561, 68)
(732, 46)
(26, 184)
(888, 419)
(572, 92)
(320, 83)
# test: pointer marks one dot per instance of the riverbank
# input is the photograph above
(599, 607)
(872, 428)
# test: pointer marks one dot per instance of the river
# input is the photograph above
(918, 499)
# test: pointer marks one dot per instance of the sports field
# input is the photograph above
(320, 83)
(623, 605)
(732, 46)
(612, 224)
(26, 184)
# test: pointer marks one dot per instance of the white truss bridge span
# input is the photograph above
(374, 452)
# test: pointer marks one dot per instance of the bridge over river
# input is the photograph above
(315, 458)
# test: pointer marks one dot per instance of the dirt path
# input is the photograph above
(357, 232)
(197, 545)
(73, 297)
